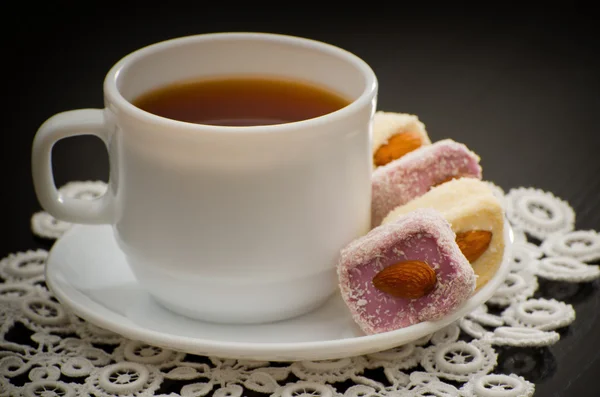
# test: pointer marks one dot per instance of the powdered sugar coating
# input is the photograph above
(420, 235)
(412, 175)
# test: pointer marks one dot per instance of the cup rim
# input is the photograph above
(114, 95)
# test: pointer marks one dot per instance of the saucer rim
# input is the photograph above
(277, 351)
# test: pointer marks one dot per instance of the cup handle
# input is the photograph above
(57, 127)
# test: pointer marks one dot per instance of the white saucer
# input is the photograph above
(87, 272)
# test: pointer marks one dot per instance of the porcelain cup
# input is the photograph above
(226, 224)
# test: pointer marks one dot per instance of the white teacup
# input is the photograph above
(226, 224)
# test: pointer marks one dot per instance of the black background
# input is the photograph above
(520, 86)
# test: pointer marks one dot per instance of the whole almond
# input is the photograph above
(473, 243)
(408, 279)
(396, 147)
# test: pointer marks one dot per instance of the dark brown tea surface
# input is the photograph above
(240, 101)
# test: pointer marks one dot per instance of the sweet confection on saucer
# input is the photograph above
(476, 217)
(394, 135)
(404, 272)
(412, 175)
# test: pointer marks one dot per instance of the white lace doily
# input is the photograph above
(46, 351)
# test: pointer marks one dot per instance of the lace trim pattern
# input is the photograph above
(58, 354)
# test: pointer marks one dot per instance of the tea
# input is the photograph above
(241, 101)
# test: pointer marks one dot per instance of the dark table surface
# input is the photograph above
(520, 87)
